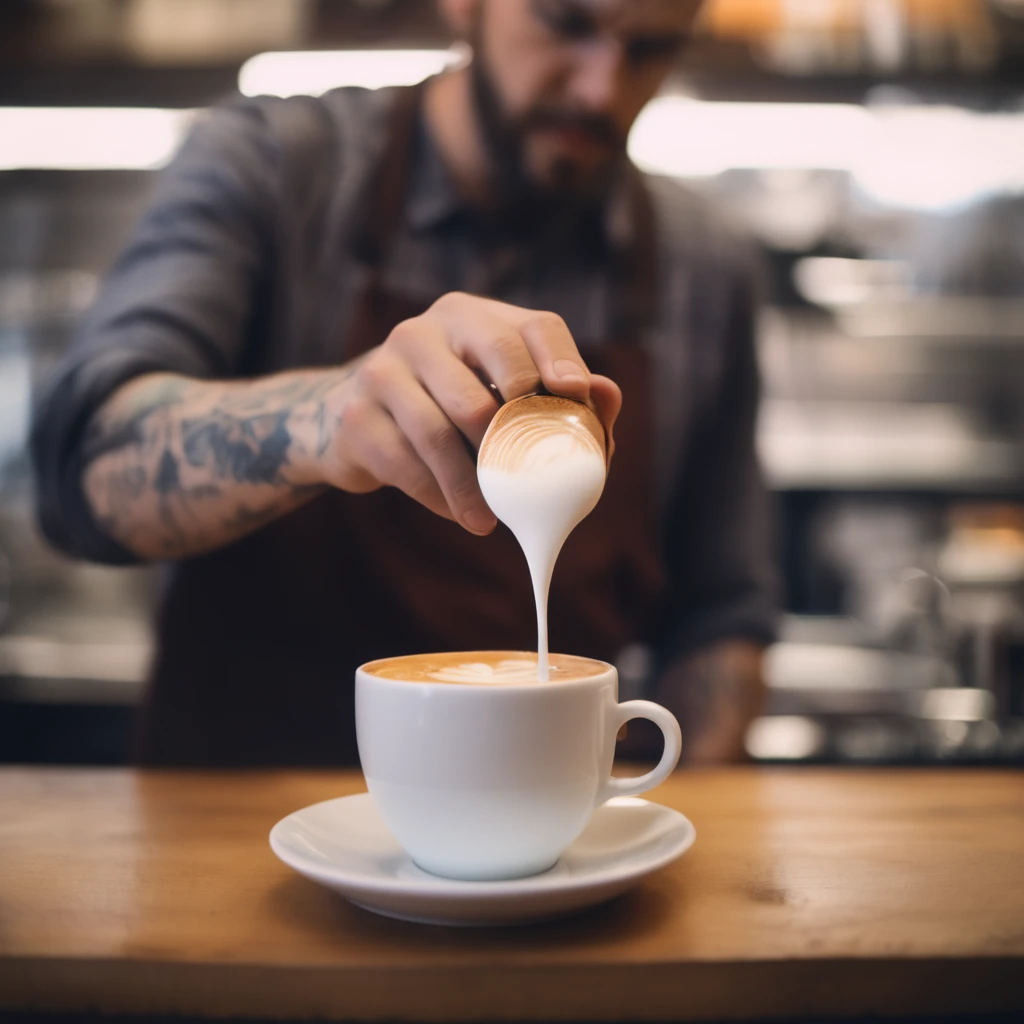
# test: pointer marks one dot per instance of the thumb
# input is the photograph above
(607, 399)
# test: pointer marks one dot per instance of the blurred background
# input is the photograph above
(875, 149)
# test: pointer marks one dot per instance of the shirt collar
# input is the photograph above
(433, 199)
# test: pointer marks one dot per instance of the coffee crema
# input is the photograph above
(483, 668)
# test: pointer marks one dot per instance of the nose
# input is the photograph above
(596, 78)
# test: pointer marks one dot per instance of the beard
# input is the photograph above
(567, 185)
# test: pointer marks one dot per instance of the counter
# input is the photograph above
(809, 893)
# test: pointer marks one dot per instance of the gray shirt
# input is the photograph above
(197, 279)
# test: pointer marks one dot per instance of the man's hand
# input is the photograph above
(403, 415)
(176, 466)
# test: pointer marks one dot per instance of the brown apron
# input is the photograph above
(259, 641)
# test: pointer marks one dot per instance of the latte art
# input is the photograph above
(511, 670)
(536, 432)
(483, 668)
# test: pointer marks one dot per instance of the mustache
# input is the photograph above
(601, 129)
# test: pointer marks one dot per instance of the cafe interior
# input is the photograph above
(863, 859)
(874, 149)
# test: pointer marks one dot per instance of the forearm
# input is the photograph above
(176, 466)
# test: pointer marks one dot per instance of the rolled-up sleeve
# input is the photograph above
(179, 299)
(720, 543)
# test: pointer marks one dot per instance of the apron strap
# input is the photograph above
(387, 187)
(636, 298)
(307, 143)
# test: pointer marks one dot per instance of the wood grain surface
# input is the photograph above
(808, 893)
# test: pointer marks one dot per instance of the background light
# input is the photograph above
(927, 158)
(693, 138)
(89, 138)
(314, 72)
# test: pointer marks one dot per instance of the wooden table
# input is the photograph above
(829, 893)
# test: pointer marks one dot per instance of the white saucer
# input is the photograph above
(345, 845)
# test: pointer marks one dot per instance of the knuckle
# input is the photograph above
(448, 300)
(440, 439)
(356, 414)
(376, 370)
(473, 410)
(404, 334)
(544, 321)
(508, 347)
(522, 382)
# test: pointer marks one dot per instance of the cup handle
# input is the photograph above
(666, 722)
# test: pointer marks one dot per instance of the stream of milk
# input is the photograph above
(550, 490)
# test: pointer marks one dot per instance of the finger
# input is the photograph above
(550, 344)
(606, 397)
(554, 352)
(493, 345)
(461, 395)
(459, 392)
(486, 340)
(439, 444)
(382, 450)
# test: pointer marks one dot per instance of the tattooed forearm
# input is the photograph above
(249, 450)
(177, 466)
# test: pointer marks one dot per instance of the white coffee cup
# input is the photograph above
(479, 781)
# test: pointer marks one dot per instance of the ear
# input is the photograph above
(460, 15)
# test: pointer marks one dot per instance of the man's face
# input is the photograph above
(558, 83)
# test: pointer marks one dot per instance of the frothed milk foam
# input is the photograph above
(482, 668)
(542, 470)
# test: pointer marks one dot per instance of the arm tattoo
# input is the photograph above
(249, 450)
(176, 466)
